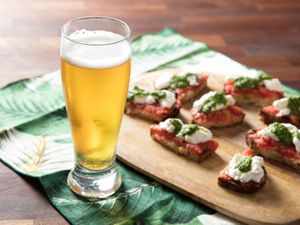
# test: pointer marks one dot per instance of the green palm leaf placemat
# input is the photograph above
(35, 141)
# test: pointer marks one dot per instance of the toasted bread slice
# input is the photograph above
(268, 115)
(249, 187)
(273, 150)
(196, 152)
(152, 112)
(226, 181)
(258, 96)
(222, 118)
(189, 93)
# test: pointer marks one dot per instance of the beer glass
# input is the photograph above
(95, 70)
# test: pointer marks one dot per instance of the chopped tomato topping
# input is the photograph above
(229, 87)
(161, 132)
(248, 152)
(215, 116)
(196, 148)
(271, 110)
(155, 109)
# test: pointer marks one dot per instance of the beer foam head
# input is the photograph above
(95, 49)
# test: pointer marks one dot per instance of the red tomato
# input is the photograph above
(248, 152)
(271, 110)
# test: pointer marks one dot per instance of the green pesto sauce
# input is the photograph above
(294, 105)
(181, 81)
(217, 99)
(282, 133)
(177, 124)
(188, 130)
(249, 82)
(136, 91)
(158, 94)
(244, 164)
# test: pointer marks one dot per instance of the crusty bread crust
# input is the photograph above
(272, 154)
(248, 187)
(227, 118)
(140, 112)
(268, 118)
(251, 99)
(195, 156)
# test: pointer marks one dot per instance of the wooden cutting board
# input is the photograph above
(278, 202)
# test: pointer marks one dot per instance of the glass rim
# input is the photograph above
(128, 30)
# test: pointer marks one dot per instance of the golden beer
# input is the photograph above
(95, 102)
(95, 69)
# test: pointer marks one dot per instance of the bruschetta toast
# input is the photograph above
(284, 110)
(190, 140)
(245, 173)
(187, 85)
(260, 90)
(279, 142)
(214, 109)
(154, 106)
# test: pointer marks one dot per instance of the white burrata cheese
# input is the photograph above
(169, 100)
(148, 99)
(273, 85)
(296, 142)
(281, 106)
(255, 174)
(230, 100)
(294, 130)
(266, 132)
(200, 136)
(193, 80)
(290, 127)
(168, 126)
(164, 80)
(198, 104)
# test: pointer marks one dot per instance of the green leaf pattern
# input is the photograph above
(27, 100)
(35, 155)
(139, 201)
(152, 51)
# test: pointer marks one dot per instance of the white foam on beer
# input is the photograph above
(96, 53)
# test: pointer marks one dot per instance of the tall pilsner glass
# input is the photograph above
(95, 69)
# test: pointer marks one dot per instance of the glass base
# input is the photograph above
(94, 184)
